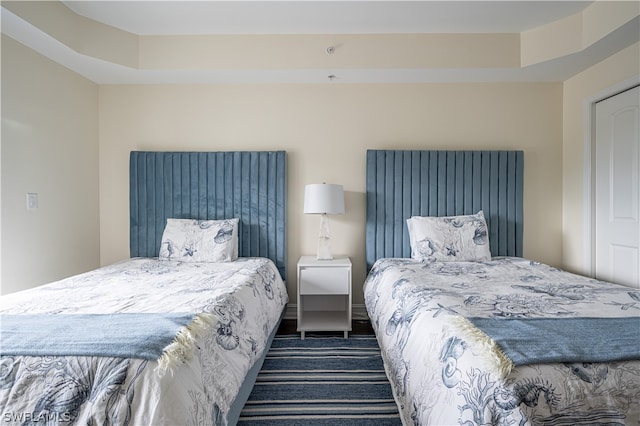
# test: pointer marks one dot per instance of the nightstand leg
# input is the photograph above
(346, 334)
(302, 335)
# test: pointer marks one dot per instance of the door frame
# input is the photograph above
(589, 114)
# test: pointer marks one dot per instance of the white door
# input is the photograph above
(617, 188)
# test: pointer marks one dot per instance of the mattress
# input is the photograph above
(242, 300)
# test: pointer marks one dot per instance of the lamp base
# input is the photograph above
(324, 242)
(324, 249)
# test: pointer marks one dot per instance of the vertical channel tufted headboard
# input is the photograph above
(249, 185)
(401, 184)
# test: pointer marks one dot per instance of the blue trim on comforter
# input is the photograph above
(122, 335)
(548, 340)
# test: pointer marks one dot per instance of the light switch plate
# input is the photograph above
(32, 200)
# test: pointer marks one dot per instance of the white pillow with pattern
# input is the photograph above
(449, 238)
(191, 240)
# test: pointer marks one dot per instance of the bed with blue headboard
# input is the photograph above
(177, 333)
(401, 184)
(470, 331)
(249, 185)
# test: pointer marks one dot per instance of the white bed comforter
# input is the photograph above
(439, 379)
(246, 298)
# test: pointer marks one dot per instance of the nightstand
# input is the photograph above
(324, 295)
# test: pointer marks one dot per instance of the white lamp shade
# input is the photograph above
(321, 198)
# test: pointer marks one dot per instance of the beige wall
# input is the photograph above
(49, 146)
(326, 130)
(577, 91)
(69, 139)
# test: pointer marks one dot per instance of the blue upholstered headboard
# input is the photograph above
(401, 184)
(249, 185)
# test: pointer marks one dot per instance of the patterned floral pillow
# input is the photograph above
(449, 239)
(190, 240)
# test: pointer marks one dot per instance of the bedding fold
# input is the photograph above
(517, 341)
(168, 338)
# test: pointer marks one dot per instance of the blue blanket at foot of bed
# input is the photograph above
(125, 335)
(550, 340)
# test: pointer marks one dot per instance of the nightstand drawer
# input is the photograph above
(324, 280)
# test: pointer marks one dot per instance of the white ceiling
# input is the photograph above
(170, 17)
(324, 17)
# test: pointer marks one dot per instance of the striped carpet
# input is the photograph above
(321, 380)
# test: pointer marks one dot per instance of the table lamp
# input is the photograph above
(324, 199)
